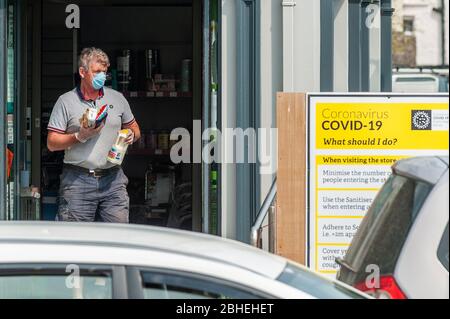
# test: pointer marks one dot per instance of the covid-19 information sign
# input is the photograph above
(352, 143)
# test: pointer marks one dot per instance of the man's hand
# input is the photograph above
(86, 133)
(130, 138)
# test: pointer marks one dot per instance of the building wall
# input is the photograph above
(404, 49)
(301, 46)
(229, 97)
(290, 62)
(403, 44)
(375, 54)
(397, 17)
(427, 30)
(271, 77)
(341, 61)
(447, 10)
(271, 66)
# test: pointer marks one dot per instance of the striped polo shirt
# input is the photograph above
(65, 118)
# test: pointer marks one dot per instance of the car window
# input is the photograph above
(385, 228)
(52, 282)
(159, 285)
(443, 249)
(315, 285)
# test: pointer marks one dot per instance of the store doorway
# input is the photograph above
(164, 93)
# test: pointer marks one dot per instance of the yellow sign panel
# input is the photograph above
(396, 126)
(354, 141)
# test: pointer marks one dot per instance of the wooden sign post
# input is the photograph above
(291, 178)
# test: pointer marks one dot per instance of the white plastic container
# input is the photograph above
(119, 149)
(91, 116)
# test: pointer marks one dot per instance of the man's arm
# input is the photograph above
(136, 131)
(59, 141)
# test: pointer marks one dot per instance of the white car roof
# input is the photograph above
(144, 237)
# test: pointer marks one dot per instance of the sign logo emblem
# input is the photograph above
(421, 120)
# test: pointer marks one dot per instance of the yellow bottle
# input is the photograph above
(119, 149)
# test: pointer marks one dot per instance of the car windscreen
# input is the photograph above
(315, 285)
(385, 228)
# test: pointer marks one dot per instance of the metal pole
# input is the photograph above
(36, 94)
(263, 213)
(441, 12)
(365, 48)
(2, 109)
(386, 45)
(354, 46)
(205, 117)
(19, 107)
(443, 31)
(272, 228)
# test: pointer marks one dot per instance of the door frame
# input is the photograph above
(248, 113)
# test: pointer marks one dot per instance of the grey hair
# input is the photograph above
(89, 55)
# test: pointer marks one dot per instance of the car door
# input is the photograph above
(149, 283)
(61, 281)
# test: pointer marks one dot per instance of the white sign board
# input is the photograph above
(353, 141)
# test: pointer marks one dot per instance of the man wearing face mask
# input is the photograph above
(91, 187)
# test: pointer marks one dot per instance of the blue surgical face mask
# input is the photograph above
(99, 80)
